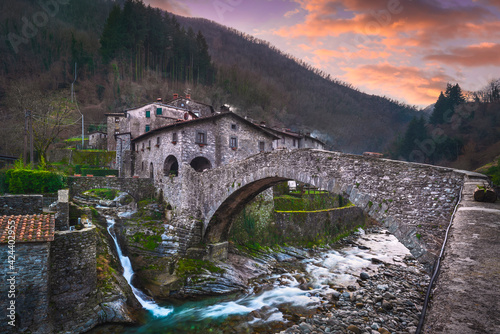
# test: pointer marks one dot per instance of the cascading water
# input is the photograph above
(128, 273)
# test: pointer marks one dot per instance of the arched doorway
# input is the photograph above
(151, 171)
(200, 164)
(171, 166)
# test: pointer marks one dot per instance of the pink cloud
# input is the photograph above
(415, 85)
(483, 54)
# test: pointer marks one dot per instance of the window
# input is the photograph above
(234, 127)
(149, 144)
(294, 143)
(262, 146)
(143, 146)
(117, 119)
(201, 137)
(117, 132)
(283, 140)
(174, 137)
(158, 141)
(159, 111)
(148, 114)
(148, 127)
(142, 167)
(233, 142)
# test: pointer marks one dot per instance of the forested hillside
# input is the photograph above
(463, 130)
(128, 54)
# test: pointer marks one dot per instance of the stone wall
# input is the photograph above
(73, 280)
(21, 204)
(137, 188)
(32, 288)
(303, 227)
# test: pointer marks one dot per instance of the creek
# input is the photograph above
(314, 283)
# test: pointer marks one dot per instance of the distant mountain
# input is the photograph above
(143, 62)
(267, 83)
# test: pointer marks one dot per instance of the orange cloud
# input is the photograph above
(345, 53)
(415, 85)
(483, 54)
(426, 22)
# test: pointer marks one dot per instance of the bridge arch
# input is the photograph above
(404, 197)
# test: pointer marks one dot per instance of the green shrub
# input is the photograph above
(494, 173)
(26, 181)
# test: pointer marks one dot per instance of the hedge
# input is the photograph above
(99, 172)
(27, 181)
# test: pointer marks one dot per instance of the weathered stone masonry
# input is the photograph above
(21, 204)
(137, 188)
(73, 280)
(413, 201)
(32, 298)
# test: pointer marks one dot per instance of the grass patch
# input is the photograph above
(191, 267)
(103, 193)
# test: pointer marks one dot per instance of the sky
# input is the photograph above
(407, 50)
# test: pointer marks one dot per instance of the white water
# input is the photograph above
(128, 273)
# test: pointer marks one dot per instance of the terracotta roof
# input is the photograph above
(29, 228)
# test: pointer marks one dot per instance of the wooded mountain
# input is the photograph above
(132, 54)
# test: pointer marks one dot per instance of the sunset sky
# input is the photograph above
(404, 49)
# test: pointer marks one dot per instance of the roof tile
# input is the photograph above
(28, 228)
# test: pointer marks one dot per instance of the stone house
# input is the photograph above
(197, 108)
(138, 121)
(291, 140)
(203, 143)
(98, 140)
(28, 274)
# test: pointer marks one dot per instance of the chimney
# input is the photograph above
(176, 96)
(188, 96)
(159, 100)
(263, 124)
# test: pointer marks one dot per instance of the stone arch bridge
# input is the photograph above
(139, 189)
(413, 201)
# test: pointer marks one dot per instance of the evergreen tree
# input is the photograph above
(440, 110)
(415, 134)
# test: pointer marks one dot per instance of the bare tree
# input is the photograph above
(52, 114)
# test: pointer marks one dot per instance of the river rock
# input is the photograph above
(354, 329)
(364, 276)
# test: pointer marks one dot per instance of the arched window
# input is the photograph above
(200, 164)
(171, 166)
(151, 171)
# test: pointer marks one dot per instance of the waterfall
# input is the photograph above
(128, 273)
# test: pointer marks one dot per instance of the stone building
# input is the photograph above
(197, 108)
(98, 140)
(291, 140)
(27, 293)
(203, 143)
(138, 121)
